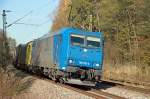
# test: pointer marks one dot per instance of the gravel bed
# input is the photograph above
(42, 89)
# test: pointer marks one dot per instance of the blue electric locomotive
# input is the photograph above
(69, 55)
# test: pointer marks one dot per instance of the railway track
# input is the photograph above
(97, 94)
(91, 92)
(105, 95)
(126, 86)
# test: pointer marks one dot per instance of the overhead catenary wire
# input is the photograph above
(44, 22)
(29, 13)
(20, 18)
(36, 25)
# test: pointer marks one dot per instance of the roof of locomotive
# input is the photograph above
(69, 29)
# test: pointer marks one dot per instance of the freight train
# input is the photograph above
(69, 55)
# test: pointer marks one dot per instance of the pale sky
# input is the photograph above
(41, 13)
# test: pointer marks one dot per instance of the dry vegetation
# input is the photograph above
(13, 82)
(128, 73)
(61, 18)
(120, 69)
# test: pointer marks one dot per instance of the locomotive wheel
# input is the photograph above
(55, 79)
(61, 80)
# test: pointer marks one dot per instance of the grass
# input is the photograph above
(127, 73)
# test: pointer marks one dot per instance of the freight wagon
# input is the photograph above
(69, 55)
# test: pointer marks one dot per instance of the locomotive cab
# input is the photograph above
(81, 55)
(85, 52)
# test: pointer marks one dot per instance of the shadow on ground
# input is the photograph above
(104, 85)
(99, 86)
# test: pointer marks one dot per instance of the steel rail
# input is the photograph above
(97, 94)
(128, 86)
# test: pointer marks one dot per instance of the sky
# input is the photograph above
(40, 13)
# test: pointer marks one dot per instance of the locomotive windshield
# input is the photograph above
(93, 42)
(77, 39)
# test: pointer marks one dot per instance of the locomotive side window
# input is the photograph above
(77, 39)
(93, 42)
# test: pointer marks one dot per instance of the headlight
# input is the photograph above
(70, 61)
(63, 68)
(97, 65)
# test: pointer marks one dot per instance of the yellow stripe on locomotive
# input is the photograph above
(28, 53)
